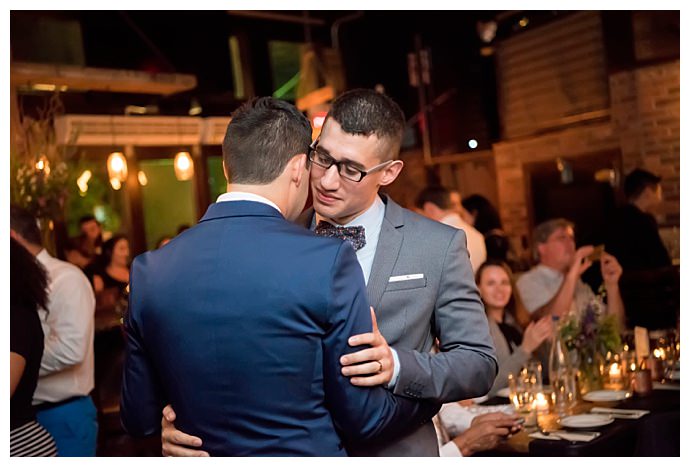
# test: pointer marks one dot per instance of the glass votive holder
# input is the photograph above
(613, 375)
(540, 404)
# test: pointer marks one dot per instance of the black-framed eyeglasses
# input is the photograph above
(345, 169)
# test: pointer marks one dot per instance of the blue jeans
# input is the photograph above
(74, 427)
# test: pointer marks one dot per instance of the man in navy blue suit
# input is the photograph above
(240, 321)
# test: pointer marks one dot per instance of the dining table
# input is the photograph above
(657, 433)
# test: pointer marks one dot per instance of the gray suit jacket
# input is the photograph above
(444, 304)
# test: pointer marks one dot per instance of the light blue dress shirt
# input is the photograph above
(371, 220)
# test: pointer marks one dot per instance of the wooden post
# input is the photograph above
(200, 181)
(137, 234)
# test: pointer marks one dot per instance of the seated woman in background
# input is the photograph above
(513, 347)
(28, 284)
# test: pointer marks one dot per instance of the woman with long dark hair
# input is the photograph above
(112, 267)
(485, 218)
(28, 293)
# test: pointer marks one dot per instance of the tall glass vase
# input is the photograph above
(590, 372)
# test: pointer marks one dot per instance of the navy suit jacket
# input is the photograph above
(239, 323)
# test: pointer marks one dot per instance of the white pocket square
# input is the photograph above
(406, 277)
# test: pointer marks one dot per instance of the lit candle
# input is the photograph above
(660, 354)
(541, 404)
(615, 373)
(516, 403)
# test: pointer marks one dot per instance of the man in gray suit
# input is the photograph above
(418, 274)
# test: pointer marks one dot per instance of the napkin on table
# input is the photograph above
(620, 413)
(580, 436)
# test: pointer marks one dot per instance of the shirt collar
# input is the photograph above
(244, 196)
(550, 272)
(368, 219)
(43, 255)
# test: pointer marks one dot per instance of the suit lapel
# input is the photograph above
(387, 251)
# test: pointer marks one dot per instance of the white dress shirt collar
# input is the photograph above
(244, 196)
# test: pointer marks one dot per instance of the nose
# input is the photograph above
(331, 179)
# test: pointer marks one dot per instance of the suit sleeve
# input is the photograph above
(360, 414)
(142, 399)
(465, 366)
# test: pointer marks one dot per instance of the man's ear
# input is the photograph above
(391, 172)
(298, 168)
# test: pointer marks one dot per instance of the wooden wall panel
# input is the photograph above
(551, 73)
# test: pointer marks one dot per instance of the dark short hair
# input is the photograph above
(87, 218)
(24, 223)
(367, 112)
(637, 181)
(263, 135)
(437, 195)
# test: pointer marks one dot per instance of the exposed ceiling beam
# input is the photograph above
(277, 17)
(99, 79)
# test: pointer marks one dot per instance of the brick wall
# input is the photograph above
(644, 126)
(645, 109)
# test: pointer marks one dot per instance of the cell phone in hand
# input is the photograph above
(596, 254)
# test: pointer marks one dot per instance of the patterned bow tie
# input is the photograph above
(354, 235)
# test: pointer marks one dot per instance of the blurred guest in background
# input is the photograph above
(110, 282)
(634, 234)
(112, 268)
(513, 347)
(62, 397)
(434, 203)
(484, 217)
(650, 284)
(87, 246)
(28, 285)
(554, 286)
(163, 241)
(456, 205)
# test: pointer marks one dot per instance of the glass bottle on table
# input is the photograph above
(561, 373)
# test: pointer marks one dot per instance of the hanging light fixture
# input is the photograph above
(143, 180)
(117, 167)
(83, 182)
(184, 166)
